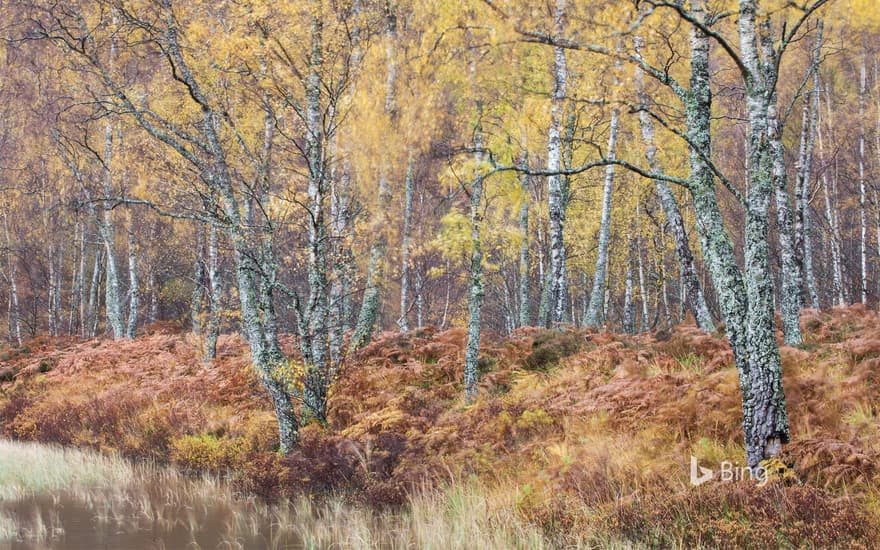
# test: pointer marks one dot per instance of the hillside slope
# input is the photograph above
(588, 435)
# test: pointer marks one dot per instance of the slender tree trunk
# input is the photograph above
(805, 164)
(76, 286)
(134, 289)
(693, 291)
(317, 336)
(863, 224)
(216, 287)
(106, 228)
(52, 312)
(93, 295)
(14, 310)
(475, 287)
(643, 289)
(834, 238)
(196, 302)
(154, 297)
(557, 284)
(341, 289)
(595, 316)
(790, 273)
(629, 308)
(525, 316)
(420, 298)
(404, 253)
(369, 312)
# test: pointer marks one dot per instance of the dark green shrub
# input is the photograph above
(550, 346)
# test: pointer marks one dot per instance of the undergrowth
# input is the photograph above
(585, 436)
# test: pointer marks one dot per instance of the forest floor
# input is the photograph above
(586, 437)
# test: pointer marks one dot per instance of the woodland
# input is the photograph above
(543, 252)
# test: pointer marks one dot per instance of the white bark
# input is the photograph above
(14, 312)
(215, 286)
(829, 190)
(133, 288)
(557, 284)
(595, 315)
(525, 316)
(475, 287)
(409, 185)
(863, 224)
(692, 291)
(804, 173)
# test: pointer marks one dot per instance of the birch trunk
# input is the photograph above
(341, 289)
(93, 295)
(863, 224)
(404, 253)
(12, 264)
(316, 338)
(216, 289)
(629, 308)
(790, 273)
(475, 287)
(195, 306)
(369, 312)
(765, 419)
(556, 282)
(803, 233)
(133, 288)
(525, 316)
(107, 231)
(595, 316)
(834, 238)
(78, 274)
(693, 291)
(52, 312)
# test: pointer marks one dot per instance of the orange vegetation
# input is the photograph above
(586, 434)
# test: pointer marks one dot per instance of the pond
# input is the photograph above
(52, 497)
(61, 498)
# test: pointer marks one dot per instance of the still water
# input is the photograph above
(53, 498)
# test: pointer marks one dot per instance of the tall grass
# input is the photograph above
(40, 481)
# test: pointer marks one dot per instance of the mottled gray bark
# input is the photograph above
(369, 312)
(525, 314)
(790, 274)
(693, 291)
(14, 312)
(863, 192)
(409, 189)
(52, 319)
(215, 286)
(803, 227)
(315, 342)
(595, 315)
(344, 268)
(475, 285)
(765, 419)
(133, 289)
(829, 190)
(154, 298)
(557, 286)
(196, 301)
(79, 269)
(629, 307)
(94, 287)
